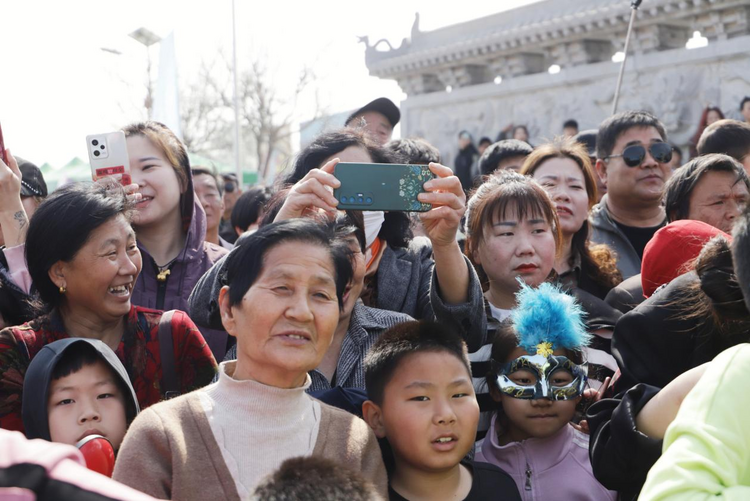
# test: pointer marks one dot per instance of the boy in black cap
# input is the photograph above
(378, 118)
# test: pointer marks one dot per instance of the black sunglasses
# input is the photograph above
(633, 155)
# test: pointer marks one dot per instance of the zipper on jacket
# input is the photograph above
(528, 477)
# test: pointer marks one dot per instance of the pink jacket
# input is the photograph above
(557, 467)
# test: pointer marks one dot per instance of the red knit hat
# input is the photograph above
(671, 252)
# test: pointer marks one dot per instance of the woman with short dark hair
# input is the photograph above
(283, 293)
(83, 258)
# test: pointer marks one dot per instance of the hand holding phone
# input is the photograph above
(108, 156)
(448, 201)
(386, 187)
(311, 193)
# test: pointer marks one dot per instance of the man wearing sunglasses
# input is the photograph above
(633, 162)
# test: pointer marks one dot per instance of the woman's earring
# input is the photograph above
(63, 290)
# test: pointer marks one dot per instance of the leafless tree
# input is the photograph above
(268, 115)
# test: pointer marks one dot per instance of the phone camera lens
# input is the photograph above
(352, 200)
(95, 142)
(343, 200)
(102, 146)
(360, 200)
(96, 153)
(369, 200)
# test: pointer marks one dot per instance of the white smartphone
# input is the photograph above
(108, 156)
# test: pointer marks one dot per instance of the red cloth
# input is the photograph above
(672, 250)
(138, 351)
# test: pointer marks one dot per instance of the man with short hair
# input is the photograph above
(745, 108)
(730, 137)
(676, 161)
(209, 192)
(232, 190)
(588, 139)
(505, 154)
(570, 128)
(633, 162)
(484, 143)
(712, 188)
(377, 118)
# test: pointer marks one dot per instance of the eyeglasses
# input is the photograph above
(634, 154)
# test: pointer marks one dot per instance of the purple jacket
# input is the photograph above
(557, 467)
(195, 259)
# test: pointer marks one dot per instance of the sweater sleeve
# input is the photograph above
(144, 461)
(17, 268)
(707, 447)
(468, 318)
(196, 365)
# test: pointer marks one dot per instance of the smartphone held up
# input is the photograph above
(381, 187)
(108, 156)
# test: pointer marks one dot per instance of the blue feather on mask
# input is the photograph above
(546, 314)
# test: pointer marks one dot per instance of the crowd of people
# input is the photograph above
(567, 321)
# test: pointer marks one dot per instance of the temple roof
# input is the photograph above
(541, 27)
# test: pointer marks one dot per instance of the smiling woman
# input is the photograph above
(283, 293)
(84, 261)
(170, 222)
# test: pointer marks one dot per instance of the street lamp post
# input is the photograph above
(147, 38)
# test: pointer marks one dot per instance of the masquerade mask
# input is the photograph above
(542, 375)
(633, 155)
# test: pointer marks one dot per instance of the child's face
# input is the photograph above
(537, 418)
(429, 412)
(87, 402)
(514, 247)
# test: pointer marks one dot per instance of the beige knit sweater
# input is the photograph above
(170, 451)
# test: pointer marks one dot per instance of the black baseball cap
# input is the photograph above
(32, 181)
(382, 105)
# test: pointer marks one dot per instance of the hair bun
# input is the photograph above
(718, 280)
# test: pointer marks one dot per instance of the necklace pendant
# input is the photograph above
(162, 275)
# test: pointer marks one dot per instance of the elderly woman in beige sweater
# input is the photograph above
(282, 299)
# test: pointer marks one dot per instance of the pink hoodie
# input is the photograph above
(556, 467)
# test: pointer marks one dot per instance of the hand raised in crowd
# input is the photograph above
(314, 191)
(448, 206)
(13, 219)
(592, 396)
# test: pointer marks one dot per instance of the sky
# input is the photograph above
(58, 86)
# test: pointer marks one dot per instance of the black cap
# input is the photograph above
(32, 181)
(382, 105)
(588, 139)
